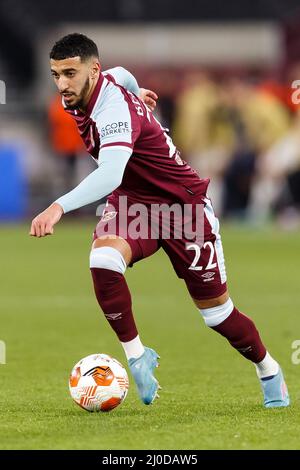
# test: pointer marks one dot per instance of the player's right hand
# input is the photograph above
(43, 223)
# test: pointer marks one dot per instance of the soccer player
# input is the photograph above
(137, 159)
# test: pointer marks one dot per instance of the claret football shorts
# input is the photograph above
(192, 243)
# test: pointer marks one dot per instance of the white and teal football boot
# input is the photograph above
(275, 391)
(142, 370)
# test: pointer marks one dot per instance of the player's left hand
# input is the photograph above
(149, 98)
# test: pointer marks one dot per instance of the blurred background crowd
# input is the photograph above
(225, 73)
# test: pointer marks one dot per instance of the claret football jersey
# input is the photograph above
(116, 119)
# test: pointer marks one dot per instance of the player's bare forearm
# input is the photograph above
(149, 98)
(43, 223)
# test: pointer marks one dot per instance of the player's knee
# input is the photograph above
(106, 257)
(213, 316)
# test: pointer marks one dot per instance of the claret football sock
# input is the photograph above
(242, 334)
(115, 300)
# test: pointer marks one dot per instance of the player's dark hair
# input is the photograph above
(74, 45)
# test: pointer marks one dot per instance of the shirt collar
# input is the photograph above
(95, 95)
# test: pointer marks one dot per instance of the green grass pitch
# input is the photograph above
(211, 397)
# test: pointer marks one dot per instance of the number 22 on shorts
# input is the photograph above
(197, 249)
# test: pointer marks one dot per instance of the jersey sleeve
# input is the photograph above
(118, 126)
(124, 78)
(101, 182)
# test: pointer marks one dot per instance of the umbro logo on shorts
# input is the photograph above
(208, 276)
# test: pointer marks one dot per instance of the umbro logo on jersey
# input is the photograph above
(108, 216)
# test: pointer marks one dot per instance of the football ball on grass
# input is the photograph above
(98, 383)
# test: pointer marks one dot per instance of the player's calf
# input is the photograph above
(108, 266)
(242, 334)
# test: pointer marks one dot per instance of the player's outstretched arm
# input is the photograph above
(98, 184)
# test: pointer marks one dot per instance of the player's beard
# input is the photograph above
(81, 100)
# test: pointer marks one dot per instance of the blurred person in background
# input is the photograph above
(166, 83)
(239, 166)
(205, 135)
(273, 131)
(224, 128)
(278, 179)
(259, 119)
